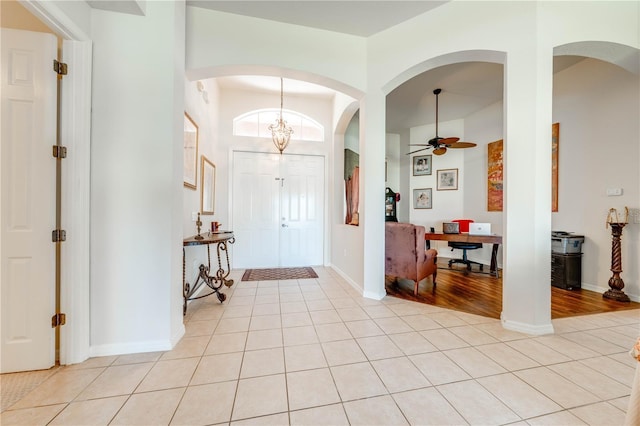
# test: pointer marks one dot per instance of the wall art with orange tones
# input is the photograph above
(555, 140)
(494, 176)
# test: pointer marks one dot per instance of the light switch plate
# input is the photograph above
(611, 192)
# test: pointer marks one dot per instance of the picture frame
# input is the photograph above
(422, 165)
(190, 152)
(207, 186)
(447, 180)
(423, 198)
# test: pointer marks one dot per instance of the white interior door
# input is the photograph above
(302, 211)
(27, 209)
(278, 210)
(256, 210)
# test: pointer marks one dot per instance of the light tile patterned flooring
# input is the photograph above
(314, 352)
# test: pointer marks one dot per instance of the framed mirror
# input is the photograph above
(190, 152)
(207, 186)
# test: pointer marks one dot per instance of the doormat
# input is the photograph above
(279, 274)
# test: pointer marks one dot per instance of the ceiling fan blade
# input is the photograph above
(440, 151)
(417, 150)
(448, 141)
(461, 145)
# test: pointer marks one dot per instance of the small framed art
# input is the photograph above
(447, 179)
(422, 165)
(422, 198)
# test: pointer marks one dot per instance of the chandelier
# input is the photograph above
(280, 131)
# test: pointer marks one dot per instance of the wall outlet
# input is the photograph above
(611, 192)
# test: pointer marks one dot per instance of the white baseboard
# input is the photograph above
(367, 294)
(374, 296)
(348, 279)
(179, 335)
(130, 348)
(535, 330)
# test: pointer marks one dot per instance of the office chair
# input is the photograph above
(464, 227)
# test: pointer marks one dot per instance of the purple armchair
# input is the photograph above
(405, 254)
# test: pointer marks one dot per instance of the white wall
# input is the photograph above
(136, 188)
(393, 157)
(597, 106)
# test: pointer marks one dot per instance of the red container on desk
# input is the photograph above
(464, 224)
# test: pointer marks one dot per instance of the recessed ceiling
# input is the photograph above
(466, 88)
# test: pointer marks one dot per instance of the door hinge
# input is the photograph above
(59, 151)
(58, 235)
(58, 320)
(60, 67)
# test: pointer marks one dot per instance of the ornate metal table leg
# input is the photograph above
(185, 286)
(615, 282)
(221, 274)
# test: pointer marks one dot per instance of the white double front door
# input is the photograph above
(278, 210)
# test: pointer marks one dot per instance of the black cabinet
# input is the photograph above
(390, 200)
(566, 270)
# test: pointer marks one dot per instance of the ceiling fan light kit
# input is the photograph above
(439, 144)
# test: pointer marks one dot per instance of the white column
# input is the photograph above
(526, 294)
(136, 188)
(372, 152)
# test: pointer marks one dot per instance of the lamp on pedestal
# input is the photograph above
(615, 282)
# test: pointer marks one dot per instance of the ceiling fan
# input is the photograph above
(439, 144)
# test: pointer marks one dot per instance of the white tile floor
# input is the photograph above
(314, 352)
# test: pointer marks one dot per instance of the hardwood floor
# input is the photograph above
(481, 294)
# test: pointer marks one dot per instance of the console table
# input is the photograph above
(496, 240)
(214, 282)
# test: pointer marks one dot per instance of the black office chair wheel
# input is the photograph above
(222, 297)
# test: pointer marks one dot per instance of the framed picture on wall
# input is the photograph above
(422, 198)
(447, 179)
(207, 186)
(190, 152)
(422, 165)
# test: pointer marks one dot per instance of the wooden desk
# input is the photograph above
(496, 240)
(214, 282)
